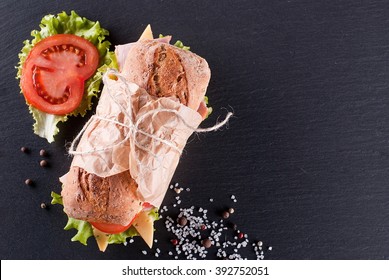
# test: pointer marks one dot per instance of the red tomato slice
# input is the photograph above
(112, 228)
(115, 228)
(55, 70)
(147, 205)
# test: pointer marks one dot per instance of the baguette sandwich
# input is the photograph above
(127, 153)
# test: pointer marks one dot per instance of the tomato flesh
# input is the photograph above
(55, 71)
(147, 205)
(112, 228)
(115, 228)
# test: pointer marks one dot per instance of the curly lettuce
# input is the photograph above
(84, 229)
(46, 124)
(178, 43)
(181, 45)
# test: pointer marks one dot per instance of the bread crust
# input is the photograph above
(92, 198)
(179, 73)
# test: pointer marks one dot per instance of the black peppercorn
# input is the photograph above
(225, 215)
(182, 221)
(207, 243)
(28, 182)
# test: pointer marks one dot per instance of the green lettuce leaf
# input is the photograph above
(131, 232)
(56, 198)
(181, 45)
(178, 44)
(120, 238)
(153, 213)
(46, 124)
(206, 101)
(84, 229)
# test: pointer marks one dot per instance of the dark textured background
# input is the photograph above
(307, 154)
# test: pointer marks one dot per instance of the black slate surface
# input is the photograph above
(307, 153)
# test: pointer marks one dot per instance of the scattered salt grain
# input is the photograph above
(225, 241)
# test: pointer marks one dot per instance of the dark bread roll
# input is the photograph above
(166, 70)
(104, 200)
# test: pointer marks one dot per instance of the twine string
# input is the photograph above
(134, 127)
